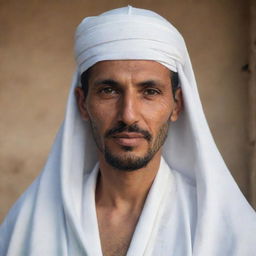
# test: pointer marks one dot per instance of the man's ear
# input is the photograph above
(81, 102)
(178, 105)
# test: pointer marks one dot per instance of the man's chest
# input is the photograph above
(115, 234)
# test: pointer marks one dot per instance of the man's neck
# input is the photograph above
(120, 197)
(125, 191)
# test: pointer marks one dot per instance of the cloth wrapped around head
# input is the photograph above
(224, 222)
(128, 34)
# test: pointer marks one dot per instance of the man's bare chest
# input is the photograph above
(116, 234)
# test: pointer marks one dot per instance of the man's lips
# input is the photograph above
(128, 135)
(128, 139)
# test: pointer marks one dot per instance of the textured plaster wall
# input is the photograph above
(252, 103)
(36, 66)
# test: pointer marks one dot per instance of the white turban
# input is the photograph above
(49, 217)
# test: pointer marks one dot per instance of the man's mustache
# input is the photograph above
(122, 127)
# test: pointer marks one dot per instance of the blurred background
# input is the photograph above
(36, 67)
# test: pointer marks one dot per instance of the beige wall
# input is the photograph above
(252, 103)
(36, 40)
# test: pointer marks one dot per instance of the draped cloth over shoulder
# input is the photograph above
(50, 217)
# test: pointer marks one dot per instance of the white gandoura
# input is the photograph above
(194, 207)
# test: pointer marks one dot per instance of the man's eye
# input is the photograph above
(151, 92)
(108, 90)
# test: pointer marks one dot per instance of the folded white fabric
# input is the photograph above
(208, 214)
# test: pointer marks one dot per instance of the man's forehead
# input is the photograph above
(128, 67)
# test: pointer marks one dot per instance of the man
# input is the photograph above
(132, 171)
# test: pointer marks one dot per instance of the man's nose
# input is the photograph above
(129, 109)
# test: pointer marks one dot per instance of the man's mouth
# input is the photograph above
(128, 135)
(128, 139)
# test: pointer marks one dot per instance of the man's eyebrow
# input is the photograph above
(150, 83)
(111, 82)
(106, 82)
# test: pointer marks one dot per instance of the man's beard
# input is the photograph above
(131, 162)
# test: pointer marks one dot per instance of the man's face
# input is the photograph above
(129, 105)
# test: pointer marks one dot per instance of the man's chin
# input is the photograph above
(127, 162)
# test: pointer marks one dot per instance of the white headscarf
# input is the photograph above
(48, 218)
